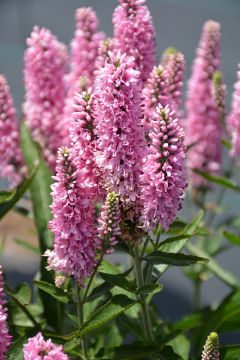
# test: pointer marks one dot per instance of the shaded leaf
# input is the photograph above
(234, 239)
(117, 280)
(52, 290)
(230, 352)
(17, 193)
(109, 311)
(149, 289)
(179, 259)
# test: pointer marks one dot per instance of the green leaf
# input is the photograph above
(109, 311)
(230, 352)
(52, 290)
(41, 200)
(26, 245)
(176, 246)
(144, 352)
(175, 238)
(219, 180)
(179, 259)
(131, 325)
(15, 351)
(17, 193)
(215, 320)
(100, 290)
(117, 280)
(188, 322)
(6, 196)
(40, 187)
(234, 239)
(226, 276)
(149, 289)
(23, 294)
(21, 298)
(181, 346)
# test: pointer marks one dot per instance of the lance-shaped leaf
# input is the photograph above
(114, 307)
(179, 259)
(9, 199)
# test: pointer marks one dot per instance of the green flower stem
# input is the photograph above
(80, 304)
(147, 326)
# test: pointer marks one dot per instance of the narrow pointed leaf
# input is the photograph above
(52, 290)
(179, 259)
(109, 311)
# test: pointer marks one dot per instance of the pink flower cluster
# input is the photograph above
(156, 91)
(120, 143)
(203, 128)
(175, 70)
(11, 159)
(134, 34)
(45, 68)
(233, 120)
(84, 47)
(5, 338)
(106, 46)
(163, 180)
(83, 140)
(39, 349)
(73, 220)
(109, 223)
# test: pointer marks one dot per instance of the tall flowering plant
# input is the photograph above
(105, 151)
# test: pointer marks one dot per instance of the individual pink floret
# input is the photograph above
(163, 180)
(39, 349)
(120, 144)
(5, 338)
(135, 34)
(74, 246)
(45, 63)
(11, 159)
(203, 128)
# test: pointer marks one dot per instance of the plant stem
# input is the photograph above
(147, 326)
(92, 277)
(80, 305)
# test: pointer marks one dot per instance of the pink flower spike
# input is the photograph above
(156, 91)
(39, 349)
(174, 71)
(163, 180)
(5, 338)
(108, 223)
(11, 159)
(84, 51)
(45, 67)
(83, 141)
(204, 129)
(135, 35)
(106, 46)
(84, 47)
(74, 249)
(233, 120)
(120, 145)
